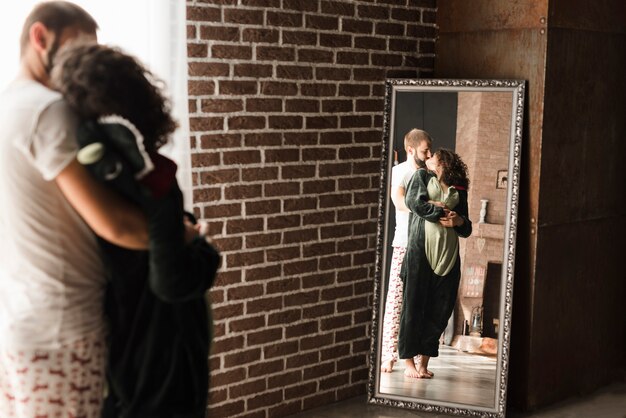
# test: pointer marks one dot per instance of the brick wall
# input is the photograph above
(286, 108)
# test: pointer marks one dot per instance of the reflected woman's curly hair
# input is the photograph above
(98, 80)
(454, 170)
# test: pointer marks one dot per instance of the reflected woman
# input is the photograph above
(431, 269)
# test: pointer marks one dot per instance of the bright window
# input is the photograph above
(153, 31)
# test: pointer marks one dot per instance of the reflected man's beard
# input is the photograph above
(419, 163)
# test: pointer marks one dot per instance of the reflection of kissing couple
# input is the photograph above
(429, 192)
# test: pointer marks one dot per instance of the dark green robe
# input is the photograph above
(428, 299)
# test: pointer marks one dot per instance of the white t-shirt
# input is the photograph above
(51, 274)
(400, 176)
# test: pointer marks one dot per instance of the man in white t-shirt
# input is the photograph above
(51, 275)
(417, 144)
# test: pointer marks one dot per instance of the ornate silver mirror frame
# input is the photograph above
(394, 86)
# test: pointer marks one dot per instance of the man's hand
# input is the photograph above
(451, 219)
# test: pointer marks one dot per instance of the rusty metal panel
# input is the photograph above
(597, 15)
(488, 15)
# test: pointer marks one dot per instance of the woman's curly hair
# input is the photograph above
(98, 80)
(454, 170)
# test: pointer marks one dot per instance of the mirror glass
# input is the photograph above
(446, 245)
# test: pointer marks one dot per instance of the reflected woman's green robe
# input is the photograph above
(428, 299)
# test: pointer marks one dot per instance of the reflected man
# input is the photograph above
(417, 144)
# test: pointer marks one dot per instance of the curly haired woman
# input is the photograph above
(431, 270)
(157, 363)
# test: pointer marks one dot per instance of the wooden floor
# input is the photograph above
(608, 402)
(459, 377)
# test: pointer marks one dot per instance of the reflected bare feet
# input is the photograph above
(422, 365)
(387, 366)
(411, 371)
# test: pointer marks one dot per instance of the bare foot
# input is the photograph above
(387, 366)
(422, 365)
(411, 371)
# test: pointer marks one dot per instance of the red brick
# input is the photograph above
(220, 141)
(315, 56)
(404, 14)
(302, 298)
(203, 14)
(332, 73)
(262, 207)
(302, 106)
(336, 231)
(237, 87)
(237, 226)
(336, 322)
(318, 218)
(249, 258)
(226, 410)
(297, 171)
(295, 72)
(263, 240)
(228, 378)
(244, 292)
(226, 345)
(266, 368)
(334, 262)
(262, 273)
(321, 122)
(262, 139)
(281, 189)
(283, 285)
(253, 70)
(319, 399)
(257, 35)
(282, 254)
(264, 105)
(300, 390)
(252, 386)
(242, 191)
(228, 244)
(338, 7)
(206, 195)
(350, 334)
(335, 41)
(243, 16)
(284, 19)
(271, 53)
(246, 122)
(284, 122)
(197, 50)
(242, 357)
(299, 38)
(356, 214)
(299, 204)
(265, 336)
(228, 311)
(335, 381)
(246, 324)
(284, 317)
(219, 176)
(335, 169)
(301, 359)
(280, 349)
(317, 280)
(206, 124)
(264, 304)
(356, 26)
(316, 341)
(322, 22)
(259, 173)
(285, 409)
(301, 235)
(219, 33)
(319, 89)
(266, 399)
(208, 69)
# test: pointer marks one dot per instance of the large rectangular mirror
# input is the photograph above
(446, 245)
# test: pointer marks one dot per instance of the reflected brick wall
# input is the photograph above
(483, 137)
(286, 107)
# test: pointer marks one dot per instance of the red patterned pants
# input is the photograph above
(63, 383)
(393, 306)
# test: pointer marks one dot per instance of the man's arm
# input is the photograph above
(109, 215)
(397, 197)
